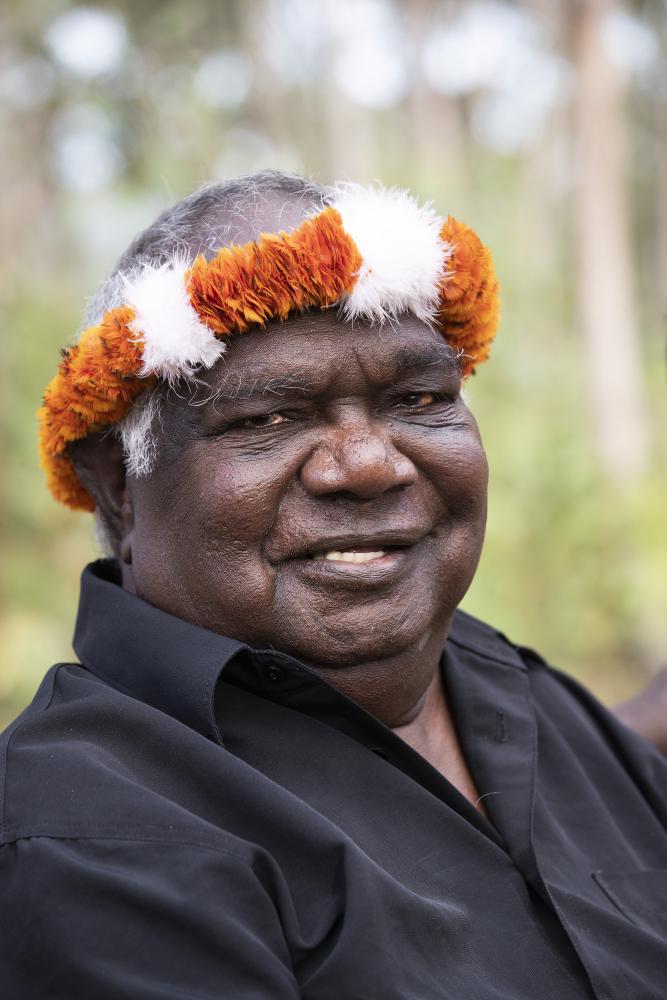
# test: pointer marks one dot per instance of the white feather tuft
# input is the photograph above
(175, 341)
(404, 257)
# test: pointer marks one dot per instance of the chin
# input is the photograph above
(343, 644)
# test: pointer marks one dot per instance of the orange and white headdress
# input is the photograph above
(376, 253)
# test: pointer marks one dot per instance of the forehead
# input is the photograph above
(320, 346)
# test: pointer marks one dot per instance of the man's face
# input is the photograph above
(325, 494)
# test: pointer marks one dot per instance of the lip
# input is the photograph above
(398, 563)
(393, 538)
(384, 571)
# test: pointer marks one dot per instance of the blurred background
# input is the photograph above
(541, 124)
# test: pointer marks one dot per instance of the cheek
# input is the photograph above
(198, 543)
(241, 503)
(469, 475)
(454, 466)
(228, 503)
(460, 477)
(222, 507)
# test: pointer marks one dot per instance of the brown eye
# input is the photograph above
(420, 399)
(263, 420)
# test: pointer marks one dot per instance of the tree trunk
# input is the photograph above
(661, 205)
(608, 316)
(437, 141)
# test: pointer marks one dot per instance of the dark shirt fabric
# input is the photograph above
(187, 817)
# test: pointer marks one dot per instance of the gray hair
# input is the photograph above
(212, 217)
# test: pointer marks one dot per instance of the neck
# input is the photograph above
(424, 727)
(431, 732)
(396, 689)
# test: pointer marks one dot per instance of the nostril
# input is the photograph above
(363, 468)
(345, 496)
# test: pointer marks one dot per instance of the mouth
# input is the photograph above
(360, 560)
(358, 555)
(356, 549)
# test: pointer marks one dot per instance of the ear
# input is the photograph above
(98, 460)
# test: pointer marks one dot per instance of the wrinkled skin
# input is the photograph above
(317, 435)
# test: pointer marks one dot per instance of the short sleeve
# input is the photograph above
(115, 919)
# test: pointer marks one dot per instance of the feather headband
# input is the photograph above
(375, 253)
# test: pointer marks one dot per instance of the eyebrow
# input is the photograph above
(246, 386)
(408, 358)
(249, 387)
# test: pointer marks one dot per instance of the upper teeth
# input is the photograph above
(350, 555)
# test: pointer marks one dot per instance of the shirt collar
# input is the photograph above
(175, 666)
(148, 653)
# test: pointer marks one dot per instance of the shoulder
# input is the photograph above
(476, 636)
(86, 760)
(561, 704)
(125, 916)
(548, 685)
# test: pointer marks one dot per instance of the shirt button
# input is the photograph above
(275, 674)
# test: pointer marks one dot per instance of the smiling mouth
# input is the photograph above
(353, 563)
(377, 556)
(352, 555)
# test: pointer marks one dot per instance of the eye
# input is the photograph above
(262, 420)
(420, 399)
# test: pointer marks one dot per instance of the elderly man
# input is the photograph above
(286, 766)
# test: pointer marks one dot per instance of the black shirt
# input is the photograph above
(187, 817)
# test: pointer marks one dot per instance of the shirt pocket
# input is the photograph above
(641, 896)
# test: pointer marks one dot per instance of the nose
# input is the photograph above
(363, 464)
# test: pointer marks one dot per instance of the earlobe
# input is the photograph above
(127, 528)
(125, 552)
